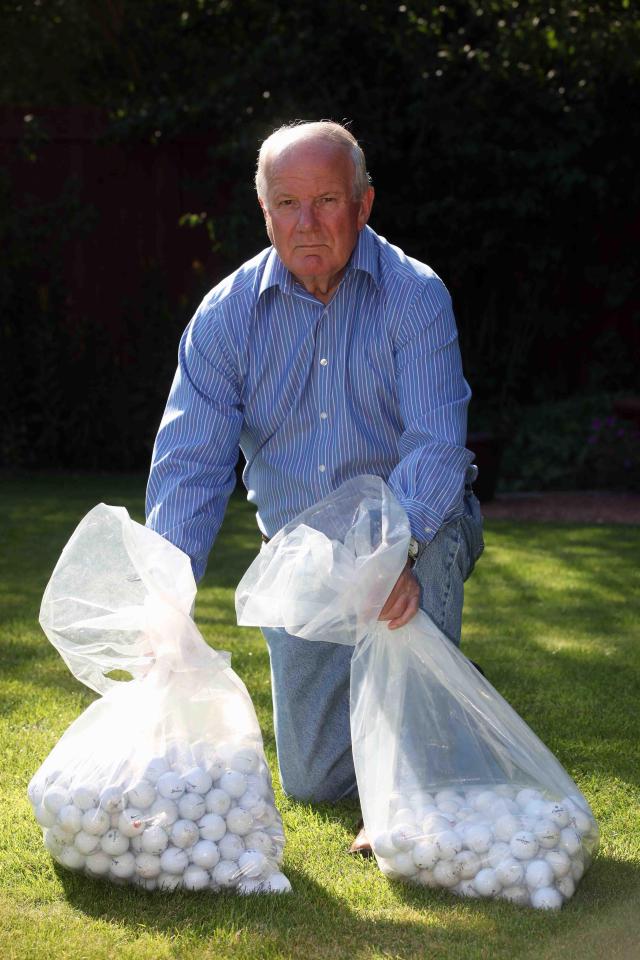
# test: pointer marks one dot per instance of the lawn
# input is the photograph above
(551, 614)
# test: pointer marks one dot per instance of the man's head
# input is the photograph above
(315, 194)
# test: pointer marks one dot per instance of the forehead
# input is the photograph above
(311, 166)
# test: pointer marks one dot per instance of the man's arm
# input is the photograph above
(196, 449)
(433, 397)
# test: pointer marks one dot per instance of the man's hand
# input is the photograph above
(403, 602)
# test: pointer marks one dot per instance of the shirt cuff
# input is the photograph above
(424, 522)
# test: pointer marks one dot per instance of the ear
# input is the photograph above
(365, 207)
(263, 207)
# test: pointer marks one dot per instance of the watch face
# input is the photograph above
(413, 548)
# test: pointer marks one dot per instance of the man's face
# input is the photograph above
(311, 216)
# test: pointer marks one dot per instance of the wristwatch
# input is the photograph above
(414, 550)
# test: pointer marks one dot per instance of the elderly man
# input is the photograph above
(330, 354)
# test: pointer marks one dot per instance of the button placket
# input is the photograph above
(324, 386)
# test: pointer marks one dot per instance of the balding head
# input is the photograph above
(289, 136)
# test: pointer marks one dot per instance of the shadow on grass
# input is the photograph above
(297, 924)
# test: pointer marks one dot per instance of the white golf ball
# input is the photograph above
(174, 860)
(55, 798)
(465, 888)
(96, 821)
(383, 845)
(538, 873)
(446, 873)
(510, 872)
(205, 854)
(277, 883)
(215, 767)
(244, 760)
(114, 842)
(197, 780)
(566, 886)
(577, 869)
(135, 844)
(61, 835)
(547, 833)
(516, 894)
(557, 813)
(155, 769)
(85, 797)
(259, 840)
(570, 841)
(582, 822)
(246, 887)
(86, 843)
(98, 863)
(184, 833)
(131, 822)
(425, 878)
(234, 783)
(195, 878)
(212, 827)
(144, 883)
(435, 823)
(239, 821)
(403, 836)
(478, 837)
(45, 817)
(546, 898)
(469, 864)
(163, 812)
(217, 801)
(252, 863)
(523, 797)
(486, 882)
(35, 792)
(71, 858)
(485, 801)
(112, 799)
(559, 862)
(168, 882)
(141, 795)
(154, 840)
(425, 853)
(524, 845)
(191, 806)
(231, 846)
(148, 865)
(403, 864)
(448, 807)
(252, 801)
(225, 874)
(448, 843)
(496, 853)
(51, 841)
(170, 785)
(124, 865)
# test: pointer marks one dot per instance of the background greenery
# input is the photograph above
(568, 662)
(500, 136)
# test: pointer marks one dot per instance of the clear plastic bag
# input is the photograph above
(456, 790)
(162, 782)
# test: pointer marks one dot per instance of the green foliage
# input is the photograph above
(570, 444)
(498, 135)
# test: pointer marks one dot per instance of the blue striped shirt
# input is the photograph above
(313, 394)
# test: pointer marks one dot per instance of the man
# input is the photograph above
(329, 355)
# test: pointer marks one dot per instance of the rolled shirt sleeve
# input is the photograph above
(433, 397)
(196, 450)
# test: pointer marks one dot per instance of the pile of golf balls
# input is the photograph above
(502, 841)
(196, 818)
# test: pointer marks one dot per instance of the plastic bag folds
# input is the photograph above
(162, 782)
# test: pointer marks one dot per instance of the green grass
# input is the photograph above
(551, 614)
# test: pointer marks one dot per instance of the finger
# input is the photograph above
(395, 608)
(409, 613)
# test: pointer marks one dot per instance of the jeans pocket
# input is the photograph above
(471, 531)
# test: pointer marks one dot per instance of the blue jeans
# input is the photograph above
(310, 679)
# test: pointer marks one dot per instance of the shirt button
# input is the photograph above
(322, 468)
(324, 361)
(324, 415)
(427, 529)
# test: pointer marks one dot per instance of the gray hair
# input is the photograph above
(326, 130)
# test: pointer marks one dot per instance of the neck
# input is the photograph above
(323, 288)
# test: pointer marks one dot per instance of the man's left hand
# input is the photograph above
(403, 602)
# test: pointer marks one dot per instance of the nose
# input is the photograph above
(307, 217)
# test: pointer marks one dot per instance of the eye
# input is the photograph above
(327, 200)
(285, 203)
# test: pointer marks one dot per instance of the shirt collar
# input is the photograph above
(364, 257)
